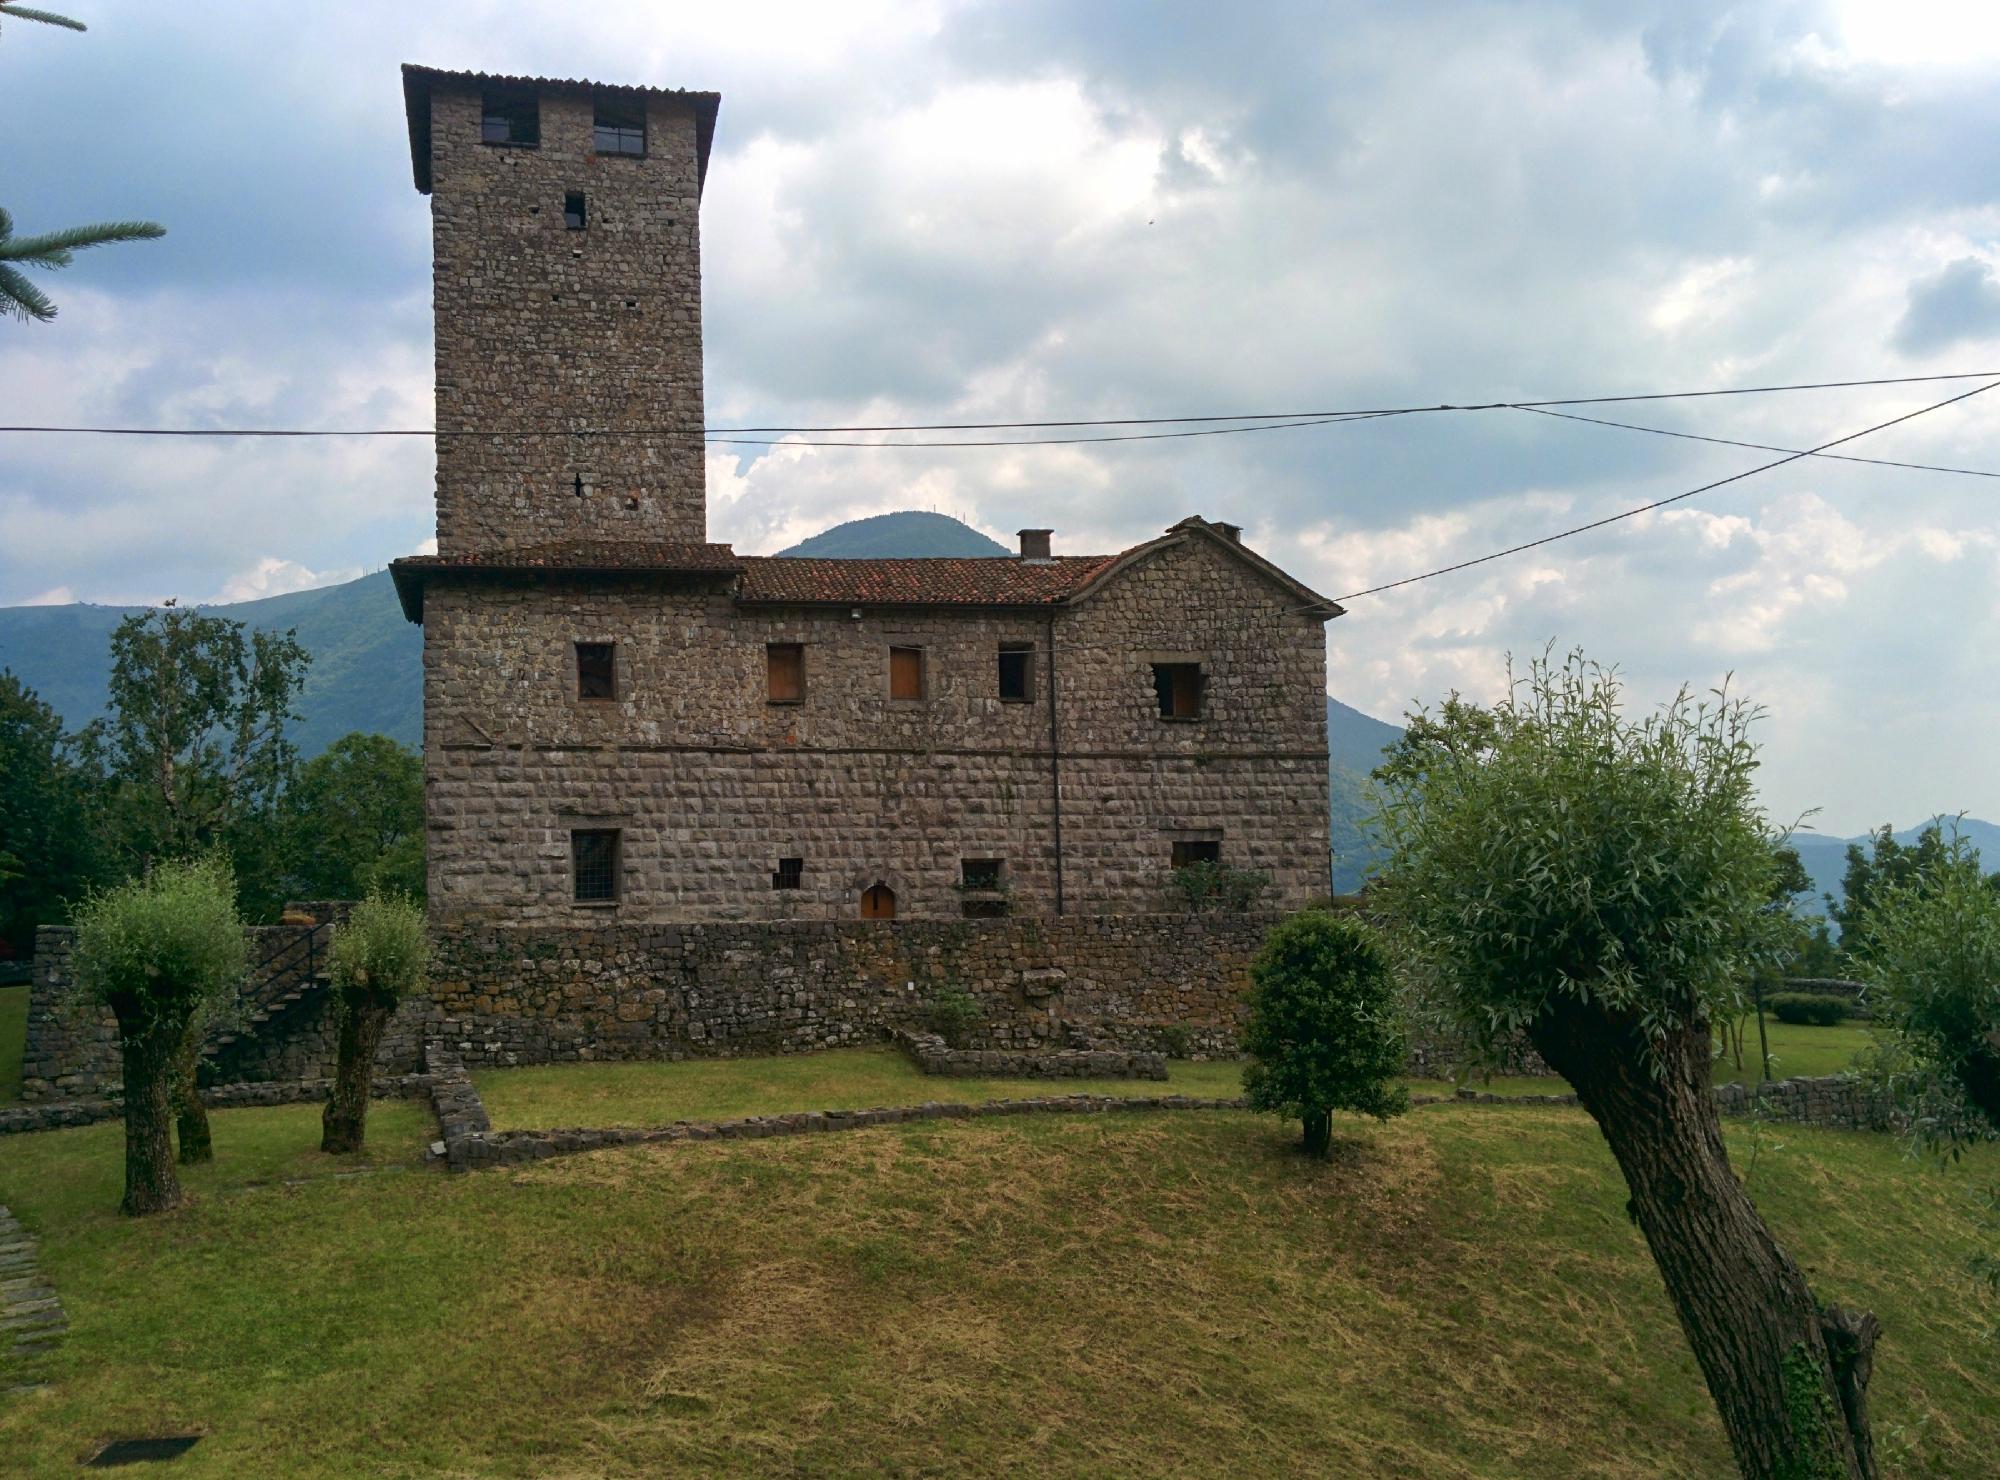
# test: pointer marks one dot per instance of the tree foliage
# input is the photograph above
(354, 821)
(1323, 1033)
(49, 849)
(378, 958)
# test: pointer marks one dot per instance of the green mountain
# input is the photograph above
(901, 536)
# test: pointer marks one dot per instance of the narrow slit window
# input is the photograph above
(789, 874)
(1188, 852)
(574, 211)
(785, 672)
(1017, 672)
(510, 116)
(619, 127)
(596, 670)
(906, 673)
(594, 865)
(1178, 687)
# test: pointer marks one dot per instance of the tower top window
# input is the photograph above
(619, 127)
(510, 115)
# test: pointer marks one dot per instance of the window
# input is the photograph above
(573, 211)
(593, 856)
(596, 670)
(906, 673)
(785, 673)
(620, 127)
(510, 116)
(1017, 672)
(1178, 687)
(1191, 852)
(790, 874)
(980, 873)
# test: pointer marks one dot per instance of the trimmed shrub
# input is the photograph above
(952, 1013)
(378, 957)
(1808, 1009)
(1324, 1033)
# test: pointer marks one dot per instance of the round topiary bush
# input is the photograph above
(1807, 1009)
(1324, 1032)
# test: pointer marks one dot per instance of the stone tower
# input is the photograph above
(565, 222)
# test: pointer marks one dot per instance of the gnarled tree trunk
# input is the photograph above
(1788, 1378)
(344, 1124)
(148, 1047)
(190, 1115)
(1318, 1132)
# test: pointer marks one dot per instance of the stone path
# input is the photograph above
(32, 1324)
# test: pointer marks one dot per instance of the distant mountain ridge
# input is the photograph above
(909, 535)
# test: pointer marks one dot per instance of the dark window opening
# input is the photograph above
(594, 865)
(980, 873)
(619, 127)
(1017, 672)
(906, 673)
(573, 211)
(975, 908)
(1187, 853)
(596, 670)
(1178, 688)
(790, 874)
(785, 672)
(510, 116)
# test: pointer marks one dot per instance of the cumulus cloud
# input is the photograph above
(1957, 304)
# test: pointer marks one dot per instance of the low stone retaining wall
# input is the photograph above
(1841, 1102)
(933, 1055)
(58, 1114)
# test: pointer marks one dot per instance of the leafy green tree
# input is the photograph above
(48, 846)
(377, 959)
(1323, 1033)
(1885, 864)
(52, 249)
(1600, 883)
(354, 821)
(158, 951)
(195, 740)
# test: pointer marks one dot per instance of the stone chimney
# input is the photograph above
(1035, 545)
(1231, 532)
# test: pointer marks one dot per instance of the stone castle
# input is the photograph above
(625, 724)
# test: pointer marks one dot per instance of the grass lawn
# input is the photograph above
(13, 1039)
(1798, 1051)
(1457, 1294)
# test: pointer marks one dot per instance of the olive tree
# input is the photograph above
(1597, 882)
(377, 958)
(1323, 1033)
(158, 951)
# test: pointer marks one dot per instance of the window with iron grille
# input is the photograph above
(1177, 686)
(980, 873)
(790, 874)
(906, 673)
(596, 670)
(1017, 672)
(619, 127)
(785, 672)
(1189, 852)
(594, 865)
(510, 116)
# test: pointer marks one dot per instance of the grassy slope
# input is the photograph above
(13, 1039)
(1458, 1294)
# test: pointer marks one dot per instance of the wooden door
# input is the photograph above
(878, 902)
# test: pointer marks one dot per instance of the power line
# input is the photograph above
(1549, 539)
(1276, 420)
(1878, 462)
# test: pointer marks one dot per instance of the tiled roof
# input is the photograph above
(579, 556)
(933, 581)
(418, 82)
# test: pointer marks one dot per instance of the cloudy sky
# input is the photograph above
(944, 211)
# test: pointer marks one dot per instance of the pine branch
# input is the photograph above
(47, 18)
(22, 299)
(52, 249)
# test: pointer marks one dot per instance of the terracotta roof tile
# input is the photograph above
(653, 555)
(980, 580)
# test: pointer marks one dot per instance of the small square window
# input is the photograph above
(596, 670)
(785, 672)
(906, 673)
(510, 116)
(1178, 689)
(1187, 853)
(619, 127)
(980, 873)
(573, 211)
(594, 865)
(790, 874)
(1017, 672)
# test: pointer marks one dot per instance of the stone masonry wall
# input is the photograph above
(710, 783)
(542, 326)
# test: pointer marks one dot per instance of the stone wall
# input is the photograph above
(541, 326)
(1842, 1102)
(932, 1055)
(710, 784)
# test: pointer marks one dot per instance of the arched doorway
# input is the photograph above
(878, 902)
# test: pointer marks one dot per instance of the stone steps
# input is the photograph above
(32, 1323)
